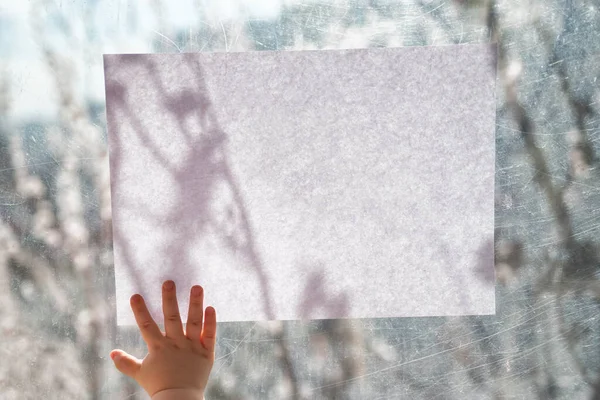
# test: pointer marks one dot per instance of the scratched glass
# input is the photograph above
(57, 306)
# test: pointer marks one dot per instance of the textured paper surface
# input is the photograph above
(305, 185)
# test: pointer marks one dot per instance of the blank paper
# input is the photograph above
(305, 185)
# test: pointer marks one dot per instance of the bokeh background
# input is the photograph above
(57, 320)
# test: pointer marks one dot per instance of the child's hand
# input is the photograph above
(177, 362)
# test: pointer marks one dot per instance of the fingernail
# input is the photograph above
(169, 285)
(116, 356)
(196, 290)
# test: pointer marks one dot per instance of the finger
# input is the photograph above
(173, 325)
(148, 328)
(126, 363)
(209, 331)
(193, 328)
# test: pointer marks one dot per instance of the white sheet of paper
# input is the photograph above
(305, 185)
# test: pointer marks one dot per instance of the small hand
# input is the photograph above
(175, 360)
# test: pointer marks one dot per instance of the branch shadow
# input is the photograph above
(315, 296)
(195, 178)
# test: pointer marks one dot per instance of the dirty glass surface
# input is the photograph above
(57, 309)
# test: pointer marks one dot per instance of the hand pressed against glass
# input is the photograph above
(176, 360)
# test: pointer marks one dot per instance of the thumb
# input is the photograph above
(126, 363)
